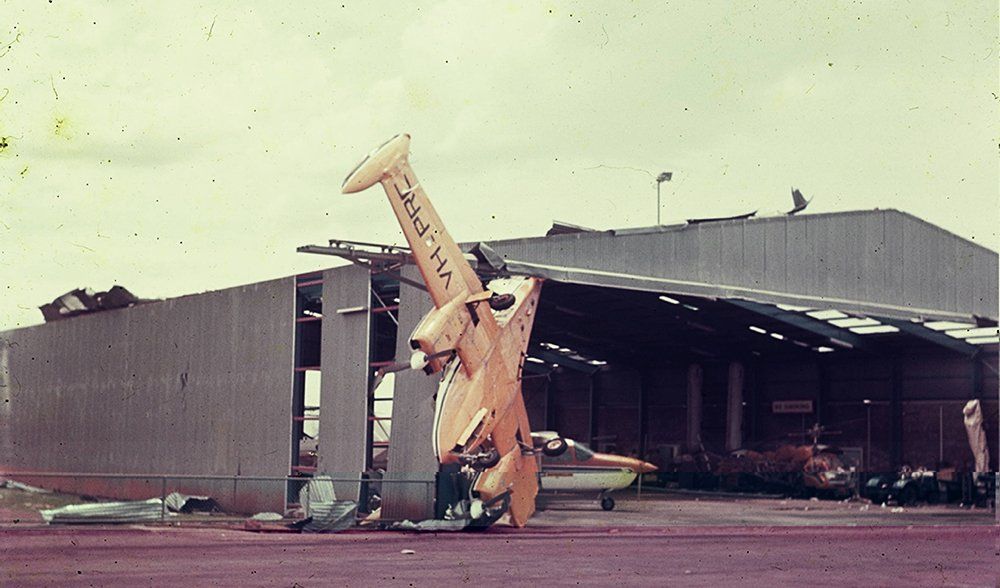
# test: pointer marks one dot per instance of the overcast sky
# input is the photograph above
(174, 148)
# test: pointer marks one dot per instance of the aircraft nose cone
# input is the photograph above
(645, 467)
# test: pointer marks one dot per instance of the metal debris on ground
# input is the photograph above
(329, 517)
(319, 490)
(23, 487)
(106, 512)
(267, 516)
(178, 502)
(431, 525)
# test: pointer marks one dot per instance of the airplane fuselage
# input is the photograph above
(480, 419)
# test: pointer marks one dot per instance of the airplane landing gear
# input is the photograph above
(476, 509)
(481, 461)
(502, 301)
(555, 447)
(607, 503)
(483, 514)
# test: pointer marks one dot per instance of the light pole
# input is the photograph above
(663, 177)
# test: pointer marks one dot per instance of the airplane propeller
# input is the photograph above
(418, 361)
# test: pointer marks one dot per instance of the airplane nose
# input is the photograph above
(645, 467)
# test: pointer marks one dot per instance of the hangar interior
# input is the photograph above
(656, 374)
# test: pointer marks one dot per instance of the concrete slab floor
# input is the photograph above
(664, 508)
(540, 556)
(661, 540)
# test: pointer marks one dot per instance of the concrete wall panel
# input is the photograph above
(411, 452)
(343, 425)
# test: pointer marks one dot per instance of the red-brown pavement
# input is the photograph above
(665, 539)
(648, 556)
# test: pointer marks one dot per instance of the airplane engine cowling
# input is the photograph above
(440, 331)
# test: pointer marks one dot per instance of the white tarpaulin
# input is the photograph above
(977, 435)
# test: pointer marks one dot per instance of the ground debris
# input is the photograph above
(431, 525)
(329, 517)
(178, 502)
(106, 512)
(23, 487)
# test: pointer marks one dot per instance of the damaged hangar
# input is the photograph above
(656, 341)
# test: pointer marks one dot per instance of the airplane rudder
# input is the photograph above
(377, 164)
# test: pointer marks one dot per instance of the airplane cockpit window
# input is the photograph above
(564, 457)
(583, 453)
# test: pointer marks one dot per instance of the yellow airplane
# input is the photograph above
(478, 338)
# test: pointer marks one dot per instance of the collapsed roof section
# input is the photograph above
(85, 300)
(877, 262)
(583, 327)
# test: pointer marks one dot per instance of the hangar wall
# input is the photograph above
(194, 385)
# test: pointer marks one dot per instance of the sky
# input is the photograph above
(179, 147)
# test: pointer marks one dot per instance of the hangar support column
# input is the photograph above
(593, 401)
(977, 376)
(344, 348)
(412, 468)
(734, 407)
(694, 381)
(645, 388)
(896, 416)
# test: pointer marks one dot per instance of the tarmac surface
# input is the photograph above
(662, 540)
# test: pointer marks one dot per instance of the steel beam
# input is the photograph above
(563, 360)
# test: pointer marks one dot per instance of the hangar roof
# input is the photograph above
(883, 263)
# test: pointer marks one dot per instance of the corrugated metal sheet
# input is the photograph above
(329, 517)
(343, 411)
(193, 385)
(881, 261)
(318, 490)
(106, 512)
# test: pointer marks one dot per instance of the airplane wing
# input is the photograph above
(515, 477)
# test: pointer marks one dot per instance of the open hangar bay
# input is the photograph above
(716, 335)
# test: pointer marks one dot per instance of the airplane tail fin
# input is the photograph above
(379, 162)
(443, 266)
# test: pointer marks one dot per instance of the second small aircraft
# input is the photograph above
(581, 469)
